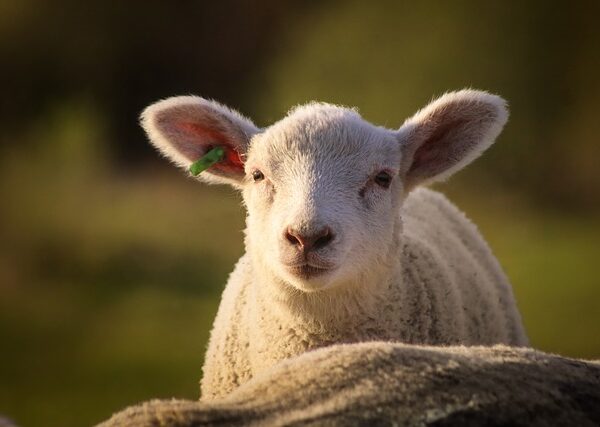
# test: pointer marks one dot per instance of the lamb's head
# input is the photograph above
(323, 187)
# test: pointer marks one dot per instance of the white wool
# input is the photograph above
(390, 261)
(451, 290)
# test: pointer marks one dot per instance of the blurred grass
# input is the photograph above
(109, 279)
(110, 300)
(550, 259)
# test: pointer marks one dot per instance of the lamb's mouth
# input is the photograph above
(307, 271)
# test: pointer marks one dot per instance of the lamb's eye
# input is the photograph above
(383, 179)
(257, 176)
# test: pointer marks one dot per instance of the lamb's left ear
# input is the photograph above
(184, 128)
(448, 134)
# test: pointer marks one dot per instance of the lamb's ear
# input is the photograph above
(448, 134)
(184, 128)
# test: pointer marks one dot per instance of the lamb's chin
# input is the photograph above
(309, 279)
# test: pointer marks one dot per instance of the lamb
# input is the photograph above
(343, 243)
(382, 383)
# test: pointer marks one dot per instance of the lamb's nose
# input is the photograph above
(309, 242)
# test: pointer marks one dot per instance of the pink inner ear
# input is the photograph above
(209, 138)
(423, 156)
(437, 152)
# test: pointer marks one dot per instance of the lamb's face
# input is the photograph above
(322, 192)
(322, 186)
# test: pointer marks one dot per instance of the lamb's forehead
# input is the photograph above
(320, 130)
(321, 113)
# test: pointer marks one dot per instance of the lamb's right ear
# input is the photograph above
(448, 134)
(184, 128)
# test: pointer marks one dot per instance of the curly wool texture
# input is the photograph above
(449, 289)
(396, 384)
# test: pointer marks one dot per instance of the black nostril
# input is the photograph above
(292, 238)
(323, 240)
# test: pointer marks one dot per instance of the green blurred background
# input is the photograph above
(112, 262)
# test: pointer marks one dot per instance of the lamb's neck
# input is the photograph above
(344, 306)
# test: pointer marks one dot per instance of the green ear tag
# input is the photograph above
(210, 158)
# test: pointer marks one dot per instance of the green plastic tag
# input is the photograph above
(210, 158)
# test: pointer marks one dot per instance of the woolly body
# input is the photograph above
(447, 288)
(341, 245)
